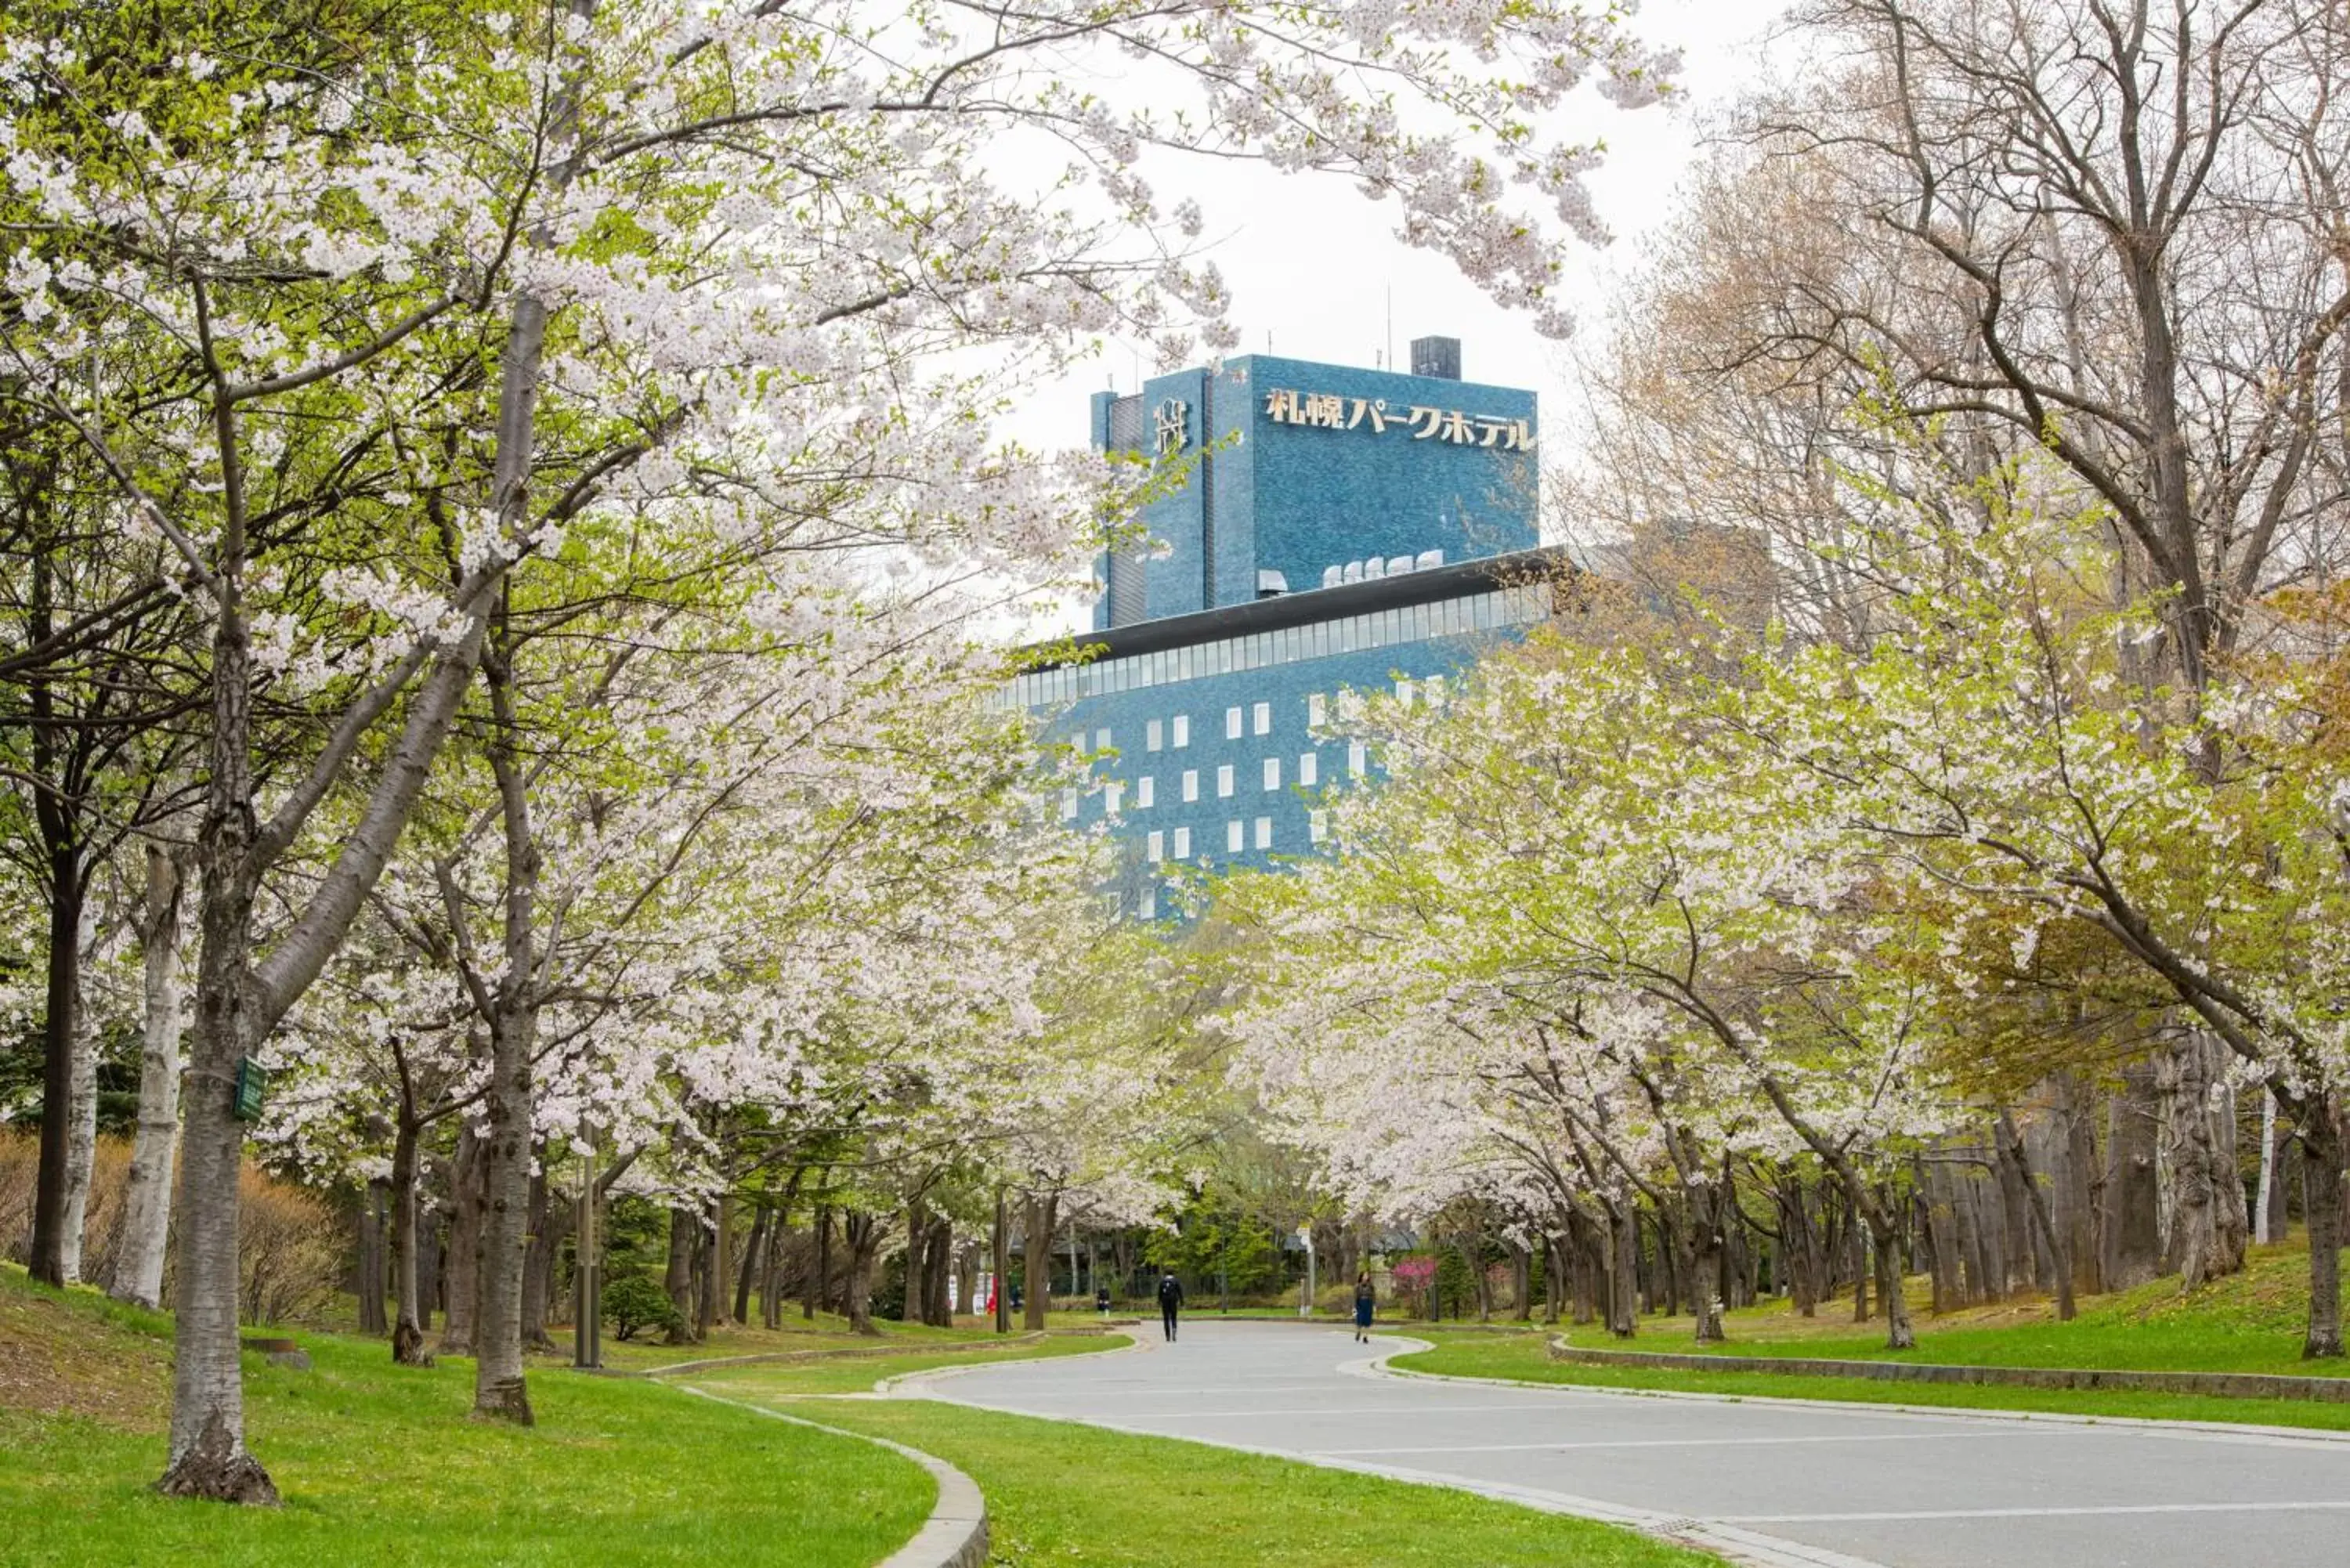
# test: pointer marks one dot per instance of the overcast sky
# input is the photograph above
(1312, 265)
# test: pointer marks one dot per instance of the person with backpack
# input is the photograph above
(1365, 1298)
(1170, 1301)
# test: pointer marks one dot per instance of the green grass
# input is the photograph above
(827, 1331)
(2248, 1322)
(1517, 1356)
(855, 1375)
(1086, 1498)
(380, 1465)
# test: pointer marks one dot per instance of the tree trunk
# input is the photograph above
(820, 1265)
(550, 1223)
(1002, 1263)
(678, 1279)
(500, 1389)
(2082, 1186)
(2131, 1239)
(2322, 1161)
(752, 1250)
(154, 1152)
(208, 1456)
(1704, 1254)
(863, 1235)
(938, 1304)
(81, 1146)
(61, 1029)
(2056, 1241)
(917, 1235)
(461, 1279)
(1037, 1268)
(408, 1323)
(1623, 1268)
(1522, 1282)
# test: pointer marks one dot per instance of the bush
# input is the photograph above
(289, 1250)
(633, 1302)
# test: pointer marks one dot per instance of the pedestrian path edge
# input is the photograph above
(955, 1536)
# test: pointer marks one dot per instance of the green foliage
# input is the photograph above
(1456, 1282)
(1213, 1240)
(633, 1302)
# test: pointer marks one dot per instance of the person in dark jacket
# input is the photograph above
(1101, 1299)
(1365, 1298)
(1170, 1301)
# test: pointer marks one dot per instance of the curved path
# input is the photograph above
(1765, 1482)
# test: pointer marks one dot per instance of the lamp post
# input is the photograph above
(587, 1313)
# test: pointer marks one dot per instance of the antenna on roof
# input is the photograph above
(1388, 354)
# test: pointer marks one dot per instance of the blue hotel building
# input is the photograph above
(1333, 527)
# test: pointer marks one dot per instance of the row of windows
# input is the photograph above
(1146, 788)
(1237, 837)
(1317, 714)
(1226, 656)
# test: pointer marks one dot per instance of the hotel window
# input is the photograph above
(1232, 723)
(1224, 781)
(1264, 718)
(1317, 710)
(1191, 783)
(1151, 735)
(1182, 731)
(1182, 843)
(1273, 772)
(1355, 757)
(1114, 799)
(1157, 849)
(1435, 684)
(1101, 739)
(1234, 839)
(1148, 905)
(1317, 825)
(1404, 692)
(1309, 769)
(1069, 803)
(1146, 791)
(1264, 833)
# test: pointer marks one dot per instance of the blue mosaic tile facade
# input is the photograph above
(1293, 466)
(1202, 711)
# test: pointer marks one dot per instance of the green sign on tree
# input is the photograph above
(252, 1087)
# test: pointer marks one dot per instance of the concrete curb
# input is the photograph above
(2215, 1385)
(955, 1536)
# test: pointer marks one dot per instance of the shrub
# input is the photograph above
(634, 1300)
(289, 1250)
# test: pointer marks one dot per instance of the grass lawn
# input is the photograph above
(827, 1331)
(2250, 1323)
(854, 1374)
(380, 1465)
(1086, 1498)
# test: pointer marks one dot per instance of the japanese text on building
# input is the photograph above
(1329, 411)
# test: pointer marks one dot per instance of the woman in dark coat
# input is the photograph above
(1364, 1299)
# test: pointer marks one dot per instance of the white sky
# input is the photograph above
(1314, 265)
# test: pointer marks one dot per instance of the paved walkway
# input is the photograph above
(1770, 1482)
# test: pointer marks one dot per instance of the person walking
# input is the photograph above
(1101, 1299)
(1365, 1298)
(1170, 1301)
